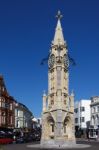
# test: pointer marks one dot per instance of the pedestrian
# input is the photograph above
(87, 134)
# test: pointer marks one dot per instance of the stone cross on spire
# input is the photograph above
(58, 37)
(59, 16)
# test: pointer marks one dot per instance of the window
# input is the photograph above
(11, 120)
(98, 121)
(3, 117)
(18, 124)
(98, 108)
(10, 106)
(82, 119)
(76, 110)
(18, 113)
(3, 104)
(94, 109)
(6, 105)
(82, 108)
(76, 120)
(52, 127)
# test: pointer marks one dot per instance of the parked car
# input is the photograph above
(5, 138)
(19, 140)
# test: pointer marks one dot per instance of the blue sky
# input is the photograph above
(26, 30)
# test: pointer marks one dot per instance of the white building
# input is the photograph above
(37, 122)
(95, 111)
(23, 117)
(82, 114)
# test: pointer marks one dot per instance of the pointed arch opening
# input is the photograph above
(51, 124)
(66, 124)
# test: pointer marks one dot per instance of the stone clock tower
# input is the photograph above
(58, 105)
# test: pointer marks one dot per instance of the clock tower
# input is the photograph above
(58, 105)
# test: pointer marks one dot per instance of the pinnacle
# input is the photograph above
(58, 37)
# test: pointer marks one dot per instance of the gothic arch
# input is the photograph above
(67, 120)
(50, 125)
(50, 119)
(66, 124)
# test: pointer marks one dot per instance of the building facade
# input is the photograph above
(82, 114)
(23, 117)
(13, 114)
(58, 105)
(6, 107)
(95, 112)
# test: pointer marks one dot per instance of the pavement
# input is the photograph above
(94, 145)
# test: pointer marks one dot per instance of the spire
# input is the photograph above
(58, 37)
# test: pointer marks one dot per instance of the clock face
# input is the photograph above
(51, 61)
(66, 61)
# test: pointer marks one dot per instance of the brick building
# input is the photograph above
(7, 102)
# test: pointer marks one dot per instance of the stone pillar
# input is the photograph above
(44, 101)
(72, 102)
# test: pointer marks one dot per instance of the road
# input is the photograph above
(94, 146)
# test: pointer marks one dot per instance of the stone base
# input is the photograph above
(64, 146)
(57, 143)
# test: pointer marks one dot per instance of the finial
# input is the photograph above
(59, 16)
(44, 93)
(72, 93)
